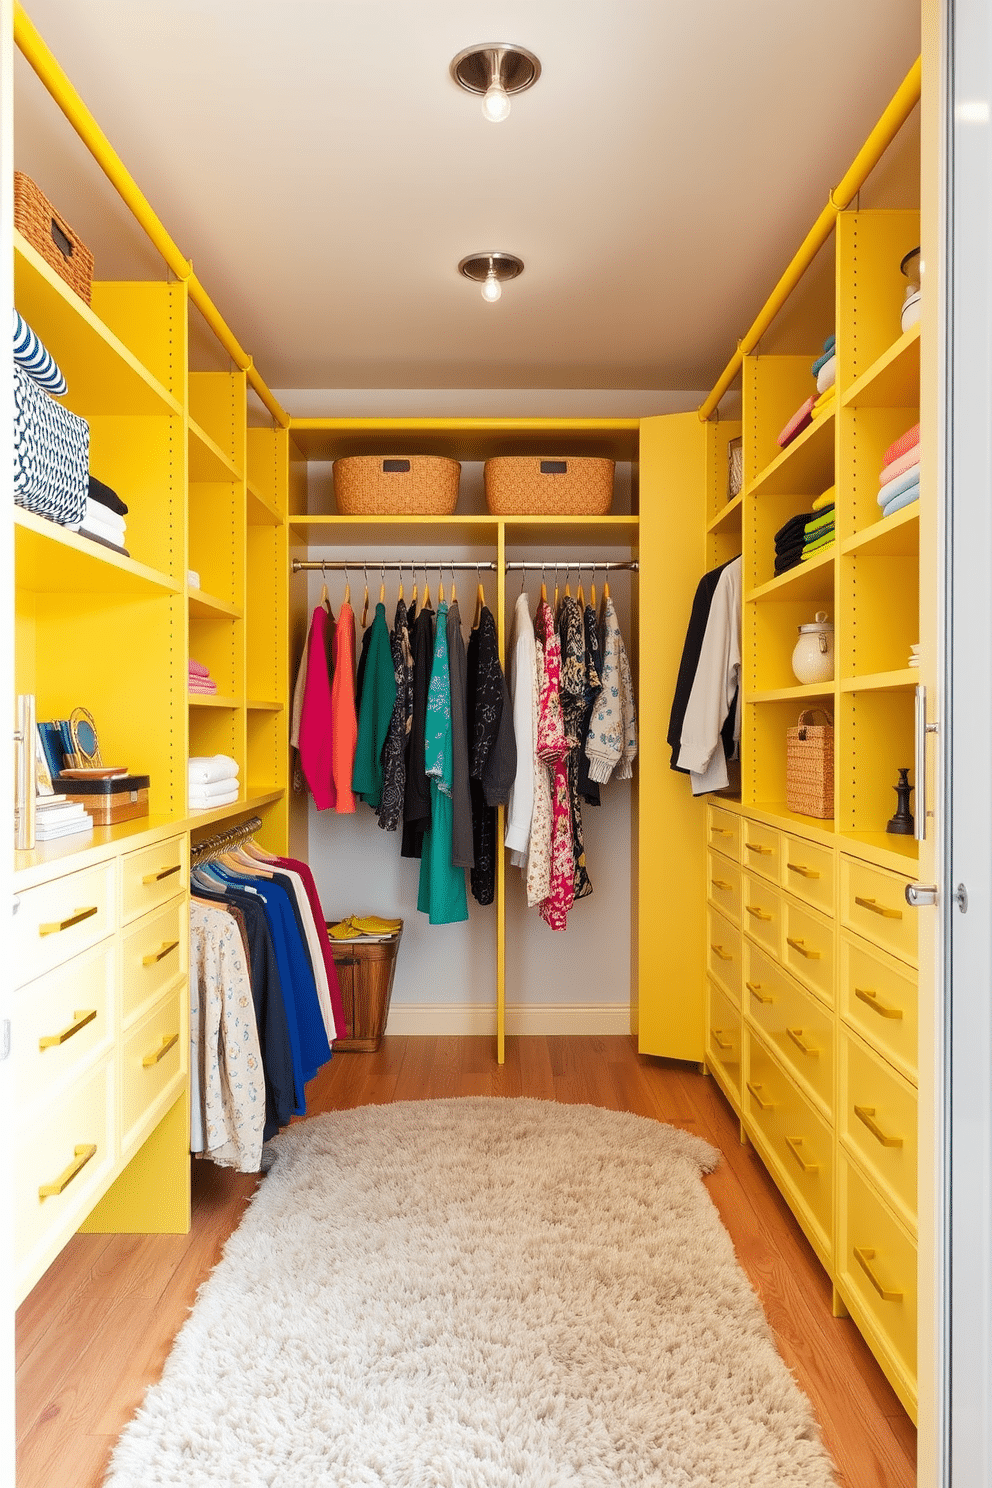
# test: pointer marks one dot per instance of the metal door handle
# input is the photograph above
(921, 896)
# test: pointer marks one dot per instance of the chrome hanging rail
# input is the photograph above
(569, 565)
(209, 847)
(394, 565)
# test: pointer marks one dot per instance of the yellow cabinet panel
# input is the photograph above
(761, 850)
(723, 886)
(153, 875)
(873, 902)
(762, 912)
(153, 1066)
(877, 1121)
(155, 953)
(56, 920)
(723, 1038)
(796, 1024)
(723, 953)
(64, 1020)
(723, 831)
(808, 948)
(808, 871)
(878, 997)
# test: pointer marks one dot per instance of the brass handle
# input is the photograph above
(805, 872)
(879, 909)
(167, 946)
(720, 832)
(754, 847)
(794, 1144)
(167, 1042)
(863, 1254)
(796, 1035)
(759, 914)
(719, 951)
(800, 946)
(720, 1043)
(764, 1105)
(83, 1155)
(865, 994)
(718, 883)
(866, 1114)
(80, 1020)
(151, 878)
(76, 919)
(755, 990)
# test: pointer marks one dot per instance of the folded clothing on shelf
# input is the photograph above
(101, 519)
(829, 350)
(197, 669)
(105, 497)
(825, 499)
(200, 802)
(824, 403)
(912, 309)
(817, 546)
(789, 559)
(827, 375)
(200, 679)
(794, 528)
(822, 522)
(51, 454)
(900, 446)
(207, 769)
(35, 358)
(892, 471)
(105, 542)
(894, 488)
(904, 498)
(215, 790)
(192, 578)
(800, 420)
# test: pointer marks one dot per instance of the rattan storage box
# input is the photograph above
(809, 774)
(396, 485)
(46, 230)
(549, 485)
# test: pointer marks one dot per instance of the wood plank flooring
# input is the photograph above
(97, 1328)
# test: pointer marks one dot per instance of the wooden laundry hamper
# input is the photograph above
(396, 485)
(365, 974)
(549, 485)
(809, 773)
(47, 231)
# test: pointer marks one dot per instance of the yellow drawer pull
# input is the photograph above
(755, 847)
(879, 909)
(863, 1254)
(75, 919)
(803, 872)
(720, 832)
(159, 955)
(800, 946)
(866, 1114)
(759, 914)
(796, 1035)
(83, 1155)
(718, 883)
(865, 994)
(755, 990)
(719, 951)
(167, 1042)
(151, 878)
(794, 1144)
(720, 1043)
(80, 1020)
(762, 1105)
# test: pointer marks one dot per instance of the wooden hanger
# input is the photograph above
(555, 606)
(606, 598)
(427, 594)
(325, 598)
(544, 588)
(440, 590)
(454, 597)
(592, 590)
(480, 603)
(580, 595)
(365, 606)
(253, 850)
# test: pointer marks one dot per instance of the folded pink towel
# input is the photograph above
(197, 669)
(198, 685)
(899, 467)
(900, 446)
(798, 422)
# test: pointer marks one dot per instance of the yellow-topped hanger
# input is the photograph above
(480, 604)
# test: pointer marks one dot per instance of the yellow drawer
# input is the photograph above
(878, 1123)
(723, 953)
(808, 872)
(153, 875)
(59, 919)
(64, 1020)
(795, 1023)
(876, 1265)
(723, 886)
(723, 831)
(70, 1148)
(799, 1140)
(155, 953)
(873, 902)
(761, 850)
(878, 998)
(762, 916)
(154, 1063)
(808, 948)
(723, 1037)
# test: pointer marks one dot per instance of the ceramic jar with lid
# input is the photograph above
(813, 657)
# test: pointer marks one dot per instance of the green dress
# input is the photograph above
(442, 885)
(374, 713)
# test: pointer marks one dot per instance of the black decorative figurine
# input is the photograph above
(902, 823)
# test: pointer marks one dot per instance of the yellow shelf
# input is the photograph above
(34, 864)
(728, 519)
(805, 581)
(791, 694)
(253, 705)
(904, 680)
(254, 798)
(472, 530)
(102, 374)
(50, 559)
(207, 461)
(883, 848)
(212, 700)
(805, 467)
(893, 381)
(209, 606)
(261, 512)
(465, 438)
(777, 813)
(897, 536)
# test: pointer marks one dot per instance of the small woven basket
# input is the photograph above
(549, 486)
(46, 230)
(809, 774)
(396, 486)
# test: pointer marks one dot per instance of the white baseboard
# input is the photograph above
(462, 1018)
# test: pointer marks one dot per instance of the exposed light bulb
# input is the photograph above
(491, 289)
(496, 103)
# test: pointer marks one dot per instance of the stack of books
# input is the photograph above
(57, 816)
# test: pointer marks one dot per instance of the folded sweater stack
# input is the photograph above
(824, 369)
(213, 781)
(790, 541)
(819, 533)
(899, 478)
(200, 680)
(103, 519)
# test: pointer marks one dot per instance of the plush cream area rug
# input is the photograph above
(477, 1293)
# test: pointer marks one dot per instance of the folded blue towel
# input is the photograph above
(901, 483)
(830, 343)
(906, 498)
(35, 358)
(828, 351)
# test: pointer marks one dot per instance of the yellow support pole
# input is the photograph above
(41, 59)
(905, 99)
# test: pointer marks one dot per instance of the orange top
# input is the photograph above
(344, 720)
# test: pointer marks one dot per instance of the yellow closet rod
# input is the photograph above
(905, 99)
(38, 55)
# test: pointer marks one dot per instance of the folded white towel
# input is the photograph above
(827, 375)
(911, 311)
(99, 529)
(214, 788)
(102, 516)
(204, 769)
(193, 578)
(206, 803)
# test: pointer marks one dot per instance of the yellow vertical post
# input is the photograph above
(500, 817)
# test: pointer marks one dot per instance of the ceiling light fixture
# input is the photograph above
(495, 69)
(490, 270)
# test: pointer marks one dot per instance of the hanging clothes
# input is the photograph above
(715, 686)
(336, 1024)
(375, 712)
(588, 788)
(572, 692)
(442, 884)
(299, 690)
(316, 728)
(344, 721)
(523, 686)
(462, 846)
(538, 868)
(612, 741)
(492, 750)
(552, 749)
(700, 614)
(397, 743)
(417, 796)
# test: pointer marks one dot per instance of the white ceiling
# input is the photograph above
(324, 173)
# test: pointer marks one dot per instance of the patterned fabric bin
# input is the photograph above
(51, 454)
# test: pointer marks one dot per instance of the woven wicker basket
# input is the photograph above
(809, 774)
(46, 230)
(549, 486)
(397, 486)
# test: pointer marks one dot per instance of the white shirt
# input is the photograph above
(718, 675)
(523, 682)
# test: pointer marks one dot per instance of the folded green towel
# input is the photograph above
(819, 522)
(819, 544)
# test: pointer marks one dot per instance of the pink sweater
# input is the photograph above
(345, 720)
(315, 719)
(902, 445)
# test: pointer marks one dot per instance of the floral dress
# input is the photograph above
(394, 750)
(442, 886)
(542, 816)
(552, 750)
(571, 632)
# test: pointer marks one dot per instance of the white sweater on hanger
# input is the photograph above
(718, 675)
(523, 679)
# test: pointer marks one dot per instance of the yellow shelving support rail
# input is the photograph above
(40, 58)
(904, 100)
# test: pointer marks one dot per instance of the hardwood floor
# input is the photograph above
(97, 1328)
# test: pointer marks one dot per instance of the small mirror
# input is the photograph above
(85, 744)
